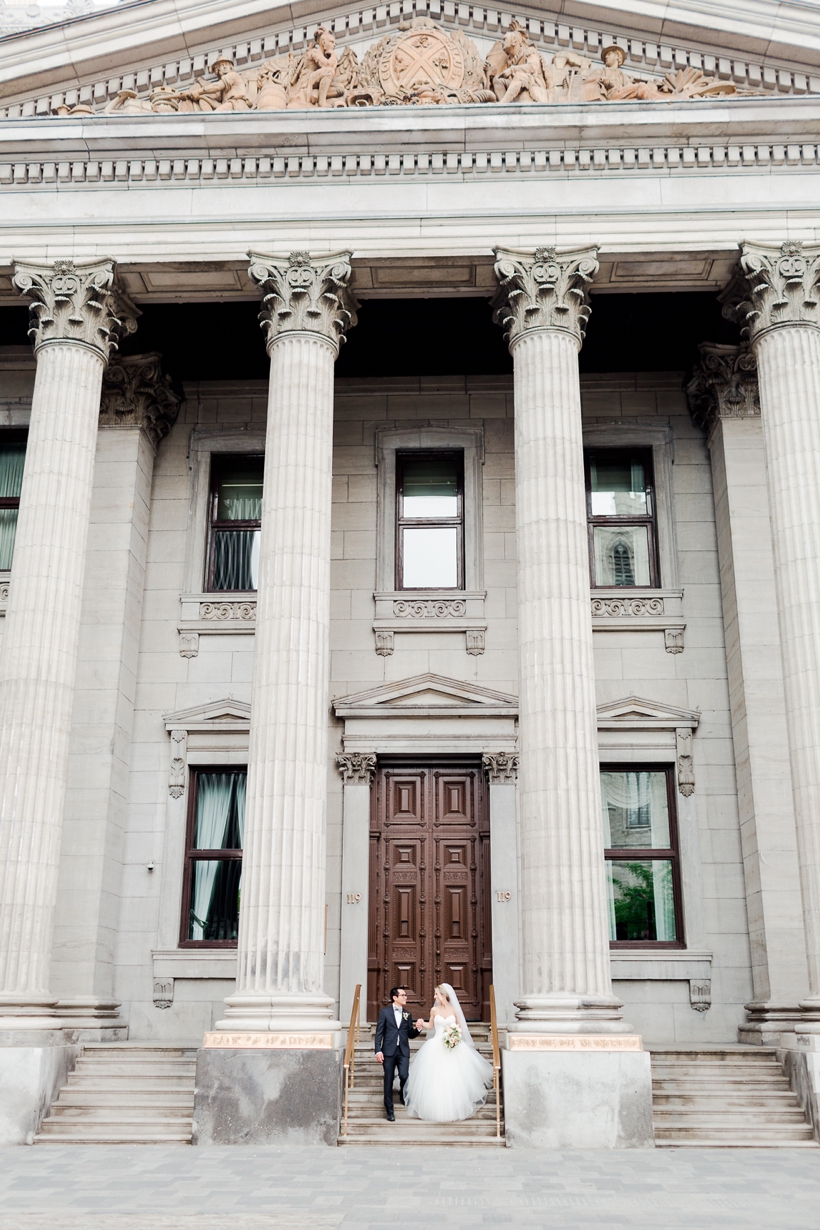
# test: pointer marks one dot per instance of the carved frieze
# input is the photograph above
(541, 290)
(76, 301)
(301, 295)
(421, 63)
(425, 608)
(356, 767)
(136, 392)
(227, 610)
(614, 607)
(723, 384)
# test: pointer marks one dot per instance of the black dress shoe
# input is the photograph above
(391, 1118)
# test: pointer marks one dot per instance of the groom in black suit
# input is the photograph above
(393, 1033)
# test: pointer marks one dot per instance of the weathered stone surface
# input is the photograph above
(566, 1100)
(30, 1076)
(246, 1097)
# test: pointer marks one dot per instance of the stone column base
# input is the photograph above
(577, 1099)
(34, 1065)
(90, 1019)
(267, 1097)
(769, 1024)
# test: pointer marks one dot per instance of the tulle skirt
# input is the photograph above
(446, 1085)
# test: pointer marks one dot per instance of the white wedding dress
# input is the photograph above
(446, 1085)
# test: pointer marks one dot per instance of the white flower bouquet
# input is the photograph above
(452, 1036)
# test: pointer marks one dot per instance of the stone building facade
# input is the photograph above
(504, 674)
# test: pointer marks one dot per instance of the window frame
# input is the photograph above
(654, 853)
(650, 519)
(193, 855)
(220, 462)
(402, 522)
(12, 435)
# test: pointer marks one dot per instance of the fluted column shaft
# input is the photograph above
(567, 982)
(282, 916)
(39, 654)
(783, 322)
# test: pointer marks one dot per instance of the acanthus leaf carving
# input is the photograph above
(543, 290)
(76, 301)
(136, 392)
(501, 767)
(723, 384)
(356, 767)
(782, 287)
(300, 294)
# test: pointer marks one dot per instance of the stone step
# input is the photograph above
(727, 1118)
(760, 1134)
(83, 1096)
(115, 1067)
(95, 1080)
(115, 1114)
(460, 1142)
(731, 1101)
(107, 1137)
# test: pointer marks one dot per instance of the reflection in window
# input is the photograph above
(620, 507)
(214, 858)
(641, 856)
(236, 516)
(12, 459)
(430, 520)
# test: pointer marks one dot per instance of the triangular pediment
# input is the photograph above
(635, 711)
(162, 46)
(227, 713)
(424, 695)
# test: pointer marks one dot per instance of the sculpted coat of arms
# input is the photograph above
(422, 63)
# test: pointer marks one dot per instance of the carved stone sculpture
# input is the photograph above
(421, 63)
(357, 767)
(301, 295)
(78, 301)
(782, 287)
(546, 290)
(136, 392)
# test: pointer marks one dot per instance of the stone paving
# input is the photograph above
(167, 1188)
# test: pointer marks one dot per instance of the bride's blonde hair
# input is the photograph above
(443, 992)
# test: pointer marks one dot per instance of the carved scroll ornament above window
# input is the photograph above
(422, 63)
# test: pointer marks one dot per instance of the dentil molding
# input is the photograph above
(305, 295)
(76, 301)
(543, 290)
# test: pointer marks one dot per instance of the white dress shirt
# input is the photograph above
(397, 1013)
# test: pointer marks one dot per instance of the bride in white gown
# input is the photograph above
(445, 1084)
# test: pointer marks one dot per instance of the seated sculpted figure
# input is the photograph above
(322, 77)
(517, 71)
(227, 93)
(613, 84)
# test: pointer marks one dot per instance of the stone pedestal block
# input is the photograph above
(34, 1065)
(267, 1097)
(571, 1100)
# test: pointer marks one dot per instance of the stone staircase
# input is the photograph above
(125, 1093)
(366, 1120)
(731, 1096)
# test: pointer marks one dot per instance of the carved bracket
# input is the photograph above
(163, 992)
(179, 763)
(700, 994)
(356, 767)
(685, 761)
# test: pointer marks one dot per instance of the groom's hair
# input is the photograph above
(394, 992)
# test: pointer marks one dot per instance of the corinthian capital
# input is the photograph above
(76, 301)
(358, 767)
(544, 289)
(136, 393)
(301, 295)
(781, 287)
(723, 384)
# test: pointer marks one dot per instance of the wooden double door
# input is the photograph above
(429, 886)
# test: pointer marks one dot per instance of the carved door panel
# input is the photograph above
(429, 919)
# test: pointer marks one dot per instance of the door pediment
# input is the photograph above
(426, 695)
(636, 713)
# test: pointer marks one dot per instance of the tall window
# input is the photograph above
(213, 861)
(621, 516)
(430, 520)
(642, 872)
(236, 515)
(12, 459)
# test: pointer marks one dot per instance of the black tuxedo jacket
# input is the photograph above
(389, 1039)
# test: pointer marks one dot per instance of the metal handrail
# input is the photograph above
(350, 1049)
(496, 1062)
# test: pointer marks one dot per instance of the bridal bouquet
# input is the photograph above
(452, 1036)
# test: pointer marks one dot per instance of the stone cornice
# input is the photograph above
(136, 393)
(76, 301)
(723, 385)
(543, 290)
(304, 295)
(782, 285)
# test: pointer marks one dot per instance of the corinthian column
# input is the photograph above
(77, 315)
(781, 315)
(542, 306)
(306, 311)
